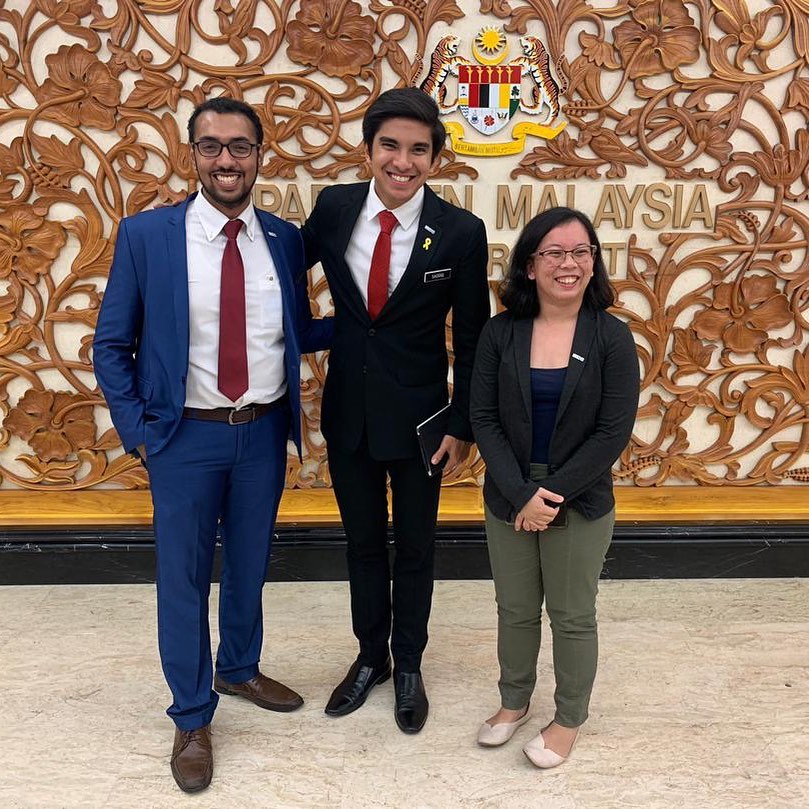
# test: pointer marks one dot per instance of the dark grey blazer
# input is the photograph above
(594, 421)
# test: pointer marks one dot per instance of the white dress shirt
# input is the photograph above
(360, 248)
(205, 245)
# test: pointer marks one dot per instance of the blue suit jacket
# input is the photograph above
(140, 350)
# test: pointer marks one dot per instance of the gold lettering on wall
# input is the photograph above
(268, 196)
(499, 257)
(629, 203)
(656, 197)
(450, 194)
(612, 252)
(608, 209)
(699, 210)
(548, 198)
(512, 213)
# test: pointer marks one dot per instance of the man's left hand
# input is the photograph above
(456, 450)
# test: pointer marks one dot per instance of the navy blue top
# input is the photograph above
(546, 390)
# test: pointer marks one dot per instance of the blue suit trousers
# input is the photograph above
(211, 473)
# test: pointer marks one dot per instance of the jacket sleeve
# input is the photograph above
(495, 448)
(315, 334)
(617, 412)
(470, 311)
(117, 336)
(311, 233)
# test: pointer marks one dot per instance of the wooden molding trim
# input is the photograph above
(460, 505)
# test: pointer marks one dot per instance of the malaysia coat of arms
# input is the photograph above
(490, 91)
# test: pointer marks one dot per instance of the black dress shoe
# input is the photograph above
(354, 690)
(411, 701)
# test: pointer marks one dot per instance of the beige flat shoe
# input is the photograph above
(543, 757)
(495, 735)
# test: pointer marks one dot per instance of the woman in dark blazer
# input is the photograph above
(553, 401)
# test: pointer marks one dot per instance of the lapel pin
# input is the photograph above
(427, 242)
(429, 229)
(578, 357)
(271, 233)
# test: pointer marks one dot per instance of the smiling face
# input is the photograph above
(227, 182)
(562, 284)
(400, 160)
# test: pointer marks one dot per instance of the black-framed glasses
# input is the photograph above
(555, 255)
(209, 147)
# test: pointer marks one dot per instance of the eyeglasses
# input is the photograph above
(208, 147)
(581, 254)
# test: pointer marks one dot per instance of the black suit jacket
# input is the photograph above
(594, 421)
(389, 374)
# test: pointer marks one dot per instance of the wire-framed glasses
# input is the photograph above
(555, 255)
(209, 147)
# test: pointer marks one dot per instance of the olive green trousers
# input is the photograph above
(561, 567)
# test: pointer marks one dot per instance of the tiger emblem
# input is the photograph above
(545, 91)
(443, 64)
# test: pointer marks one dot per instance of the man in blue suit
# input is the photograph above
(197, 351)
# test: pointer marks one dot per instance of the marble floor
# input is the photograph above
(702, 702)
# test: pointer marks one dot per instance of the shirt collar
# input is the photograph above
(213, 220)
(405, 214)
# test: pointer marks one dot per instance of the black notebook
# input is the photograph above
(430, 433)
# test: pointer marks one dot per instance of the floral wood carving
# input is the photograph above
(93, 103)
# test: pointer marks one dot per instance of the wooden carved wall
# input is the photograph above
(655, 94)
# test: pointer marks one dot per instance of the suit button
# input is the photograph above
(371, 332)
(365, 369)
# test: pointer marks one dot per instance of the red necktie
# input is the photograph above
(232, 319)
(380, 265)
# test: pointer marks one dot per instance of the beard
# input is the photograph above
(215, 196)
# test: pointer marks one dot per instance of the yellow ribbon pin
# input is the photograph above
(427, 242)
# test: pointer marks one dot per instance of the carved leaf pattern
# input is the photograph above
(709, 89)
(690, 354)
(154, 91)
(63, 160)
(598, 51)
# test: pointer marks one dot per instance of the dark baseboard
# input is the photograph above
(118, 556)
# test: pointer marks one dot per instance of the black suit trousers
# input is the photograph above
(360, 486)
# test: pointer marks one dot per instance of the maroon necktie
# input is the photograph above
(232, 319)
(380, 265)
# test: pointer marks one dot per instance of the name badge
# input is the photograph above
(437, 275)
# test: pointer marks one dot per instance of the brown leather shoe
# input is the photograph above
(192, 759)
(263, 691)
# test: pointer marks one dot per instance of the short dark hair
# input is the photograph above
(518, 292)
(224, 106)
(404, 102)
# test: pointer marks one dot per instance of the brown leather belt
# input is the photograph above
(233, 415)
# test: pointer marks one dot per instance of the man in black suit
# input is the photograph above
(397, 259)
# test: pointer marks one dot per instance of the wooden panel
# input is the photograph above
(687, 148)
(460, 505)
